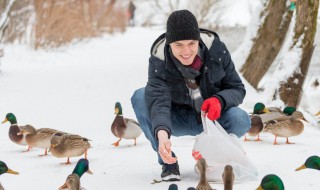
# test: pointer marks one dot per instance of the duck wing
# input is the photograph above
(76, 141)
(127, 120)
(278, 127)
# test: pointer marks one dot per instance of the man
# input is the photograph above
(190, 70)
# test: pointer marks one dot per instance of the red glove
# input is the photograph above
(213, 107)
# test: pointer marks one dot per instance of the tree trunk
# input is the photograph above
(305, 28)
(268, 42)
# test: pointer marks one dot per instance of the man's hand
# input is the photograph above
(213, 107)
(164, 149)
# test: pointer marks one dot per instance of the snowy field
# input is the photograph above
(74, 89)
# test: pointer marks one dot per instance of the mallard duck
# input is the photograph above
(124, 127)
(68, 145)
(286, 127)
(256, 127)
(313, 162)
(271, 182)
(4, 169)
(73, 180)
(202, 167)
(14, 130)
(228, 177)
(40, 138)
(260, 116)
(173, 187)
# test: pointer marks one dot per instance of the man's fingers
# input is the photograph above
(166, 156)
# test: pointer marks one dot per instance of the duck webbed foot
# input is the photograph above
(116, 143)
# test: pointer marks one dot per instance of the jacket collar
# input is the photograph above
(158, 47)
(209, 38)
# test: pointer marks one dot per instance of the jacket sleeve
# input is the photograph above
(158, 98)
(232, 88)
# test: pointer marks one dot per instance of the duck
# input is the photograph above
(73, 180)
(260, 115)
(271, 182)
(124, 127)
(40, 138)
(313, 162)
(4, 169)
(255, 129)
(69, 145)
(14, 130)
(228, 177)
(173, 187)
(286, 127)
(203, 183)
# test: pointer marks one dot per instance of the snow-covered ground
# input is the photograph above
(74, 89)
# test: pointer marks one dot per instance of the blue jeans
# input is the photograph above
(184, 121)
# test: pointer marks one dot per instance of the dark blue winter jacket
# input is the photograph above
(166, 86)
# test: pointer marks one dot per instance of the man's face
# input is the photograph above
(185, 50)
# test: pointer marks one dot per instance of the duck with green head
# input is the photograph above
(286, 127)
(73, 180)
(271, 182)
(124, 127)
(313, 162)
(4, 169)
(256, 121)
(14, 130)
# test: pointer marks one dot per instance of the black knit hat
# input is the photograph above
(182, 25)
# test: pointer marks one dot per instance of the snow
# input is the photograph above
(74, 89)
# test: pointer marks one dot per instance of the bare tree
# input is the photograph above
(305, 30)
(269, 41)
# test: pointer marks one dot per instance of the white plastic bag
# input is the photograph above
(220, 149)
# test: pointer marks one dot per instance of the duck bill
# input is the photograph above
(304, 119)
(5, 120)
(259, 188)
(51, 147)
(10, 171)
(89, 171)
(301, 168)
(116, 111)
(265, 110)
